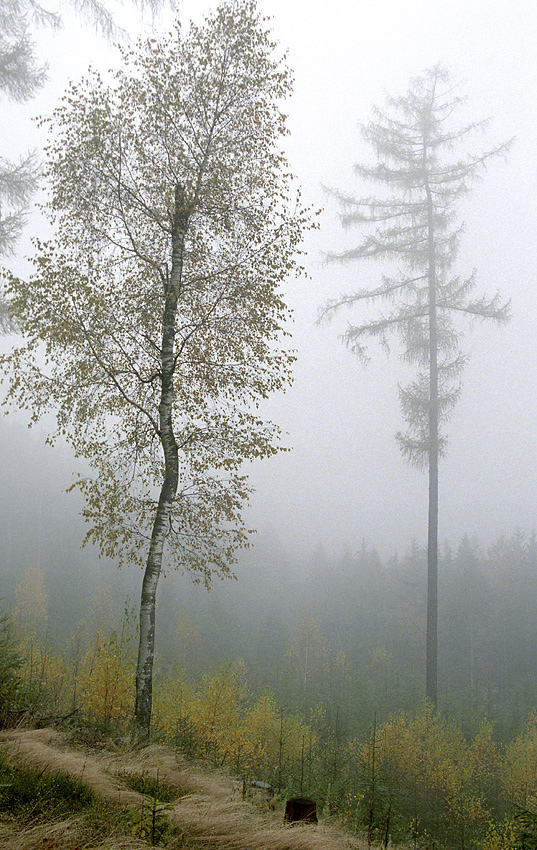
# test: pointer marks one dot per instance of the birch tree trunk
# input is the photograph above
(146, 649)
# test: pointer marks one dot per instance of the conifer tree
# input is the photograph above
(22, 76)
(412, 226)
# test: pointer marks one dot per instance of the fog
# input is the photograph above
(344, 480)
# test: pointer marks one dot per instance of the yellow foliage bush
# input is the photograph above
(105, 679)
(500, 836)
(520, 768)
(95, 677)
(217, 717)
(418, 769)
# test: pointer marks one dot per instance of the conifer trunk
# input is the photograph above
(146, 649)
(431, 663)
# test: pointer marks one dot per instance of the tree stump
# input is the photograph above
(301, 809)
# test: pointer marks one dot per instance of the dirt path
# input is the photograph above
(49, 750)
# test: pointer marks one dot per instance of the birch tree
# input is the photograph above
(153, 322)
(412, 227)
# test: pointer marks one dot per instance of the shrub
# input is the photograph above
(10, 663)
(29, 792)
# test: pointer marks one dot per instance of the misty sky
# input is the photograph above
(344, 481)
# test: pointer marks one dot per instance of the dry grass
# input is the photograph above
(211, 817)
(70, 834)
(233, 825)
(177, 771)
(47, 750)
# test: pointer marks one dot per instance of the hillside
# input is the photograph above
(210, 811)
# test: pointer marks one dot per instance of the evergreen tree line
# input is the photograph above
(347, 634)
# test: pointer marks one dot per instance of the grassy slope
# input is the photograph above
(210, 814)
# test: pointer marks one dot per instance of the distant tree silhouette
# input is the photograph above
(412, 225)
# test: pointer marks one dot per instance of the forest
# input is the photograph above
(341, 630)
(146, 595)
(306, 675)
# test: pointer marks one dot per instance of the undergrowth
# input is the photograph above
(29, 796)
(26, 792)
(151, 786)
(150, 822)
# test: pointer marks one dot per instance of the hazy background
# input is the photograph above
(344, 481)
